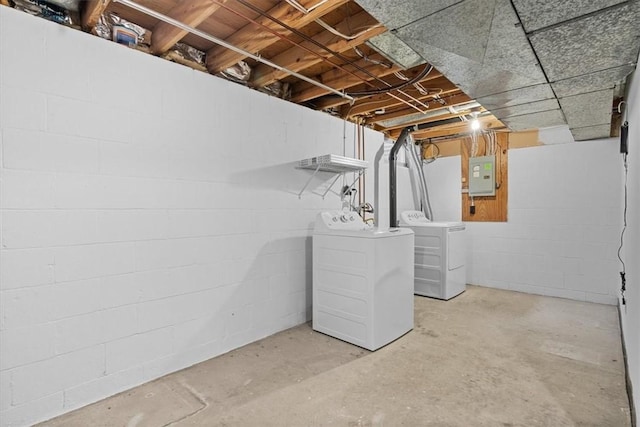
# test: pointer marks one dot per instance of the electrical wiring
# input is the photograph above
(303, 9)
(474, 144)
(439, 99)
(325, 48)
(487, 144)
(368, 59)
(421, 89)
(623, 273)
(489, 137)
(386, 91)
(498, 152)
(416, 100)
(417, 85)
(436, 150)
(424, 73)
(344, 36)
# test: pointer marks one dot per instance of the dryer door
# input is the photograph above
(456, 249)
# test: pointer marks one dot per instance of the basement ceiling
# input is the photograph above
(517, 64)
(532, 63)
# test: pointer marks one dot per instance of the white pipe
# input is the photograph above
(229, 46)
(416, 100)
(344, 36)
(303, 9)
(406, 102)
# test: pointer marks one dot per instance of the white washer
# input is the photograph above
(440, 270)
(362, 280)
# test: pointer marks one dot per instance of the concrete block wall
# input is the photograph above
(564, 221)
(630, 312)
(150, 217)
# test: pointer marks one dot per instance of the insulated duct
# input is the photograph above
(393, 179)
(393, 157)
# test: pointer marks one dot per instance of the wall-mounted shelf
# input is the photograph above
(334, 164)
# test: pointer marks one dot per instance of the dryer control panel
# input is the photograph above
(413, 218)
(340, 220)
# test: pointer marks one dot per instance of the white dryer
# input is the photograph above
(440, 251)
(362, 280)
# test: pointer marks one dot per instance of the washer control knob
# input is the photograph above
(343, 218)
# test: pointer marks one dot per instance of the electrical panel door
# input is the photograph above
(482, 177)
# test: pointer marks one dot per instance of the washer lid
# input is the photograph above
(448, 224)
(372, 233)
(418, 219)
(451, 224)
(411, 218)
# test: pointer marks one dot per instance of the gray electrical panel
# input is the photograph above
(482, 177)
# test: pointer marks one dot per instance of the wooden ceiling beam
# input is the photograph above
(298, 58)
(487, 122)
(254, 39)
(340, 80)
(334, 101)
(451, 101)
(429, 119)
(164, 36)
(377, 102)
(91, 11)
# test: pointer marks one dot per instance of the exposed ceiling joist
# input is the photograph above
(299, 58)
(246, 38)
(341, 80)
(458, 128)
(439, 86)
(91, 12)
(355, 83)
(416, 118)
(531, 63)
(191, 13)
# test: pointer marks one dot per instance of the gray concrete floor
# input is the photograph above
(486, 358)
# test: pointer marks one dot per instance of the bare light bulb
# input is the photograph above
(475, 124)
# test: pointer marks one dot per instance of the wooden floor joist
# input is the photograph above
(191, 13)
(90, 12)
(220, 58)
(299, 58)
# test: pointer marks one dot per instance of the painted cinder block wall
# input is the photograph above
(150, 217)
(630, 313)
(564, 221)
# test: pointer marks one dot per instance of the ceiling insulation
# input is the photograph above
(532, 63)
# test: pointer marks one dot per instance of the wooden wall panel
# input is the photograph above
(488, 208)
